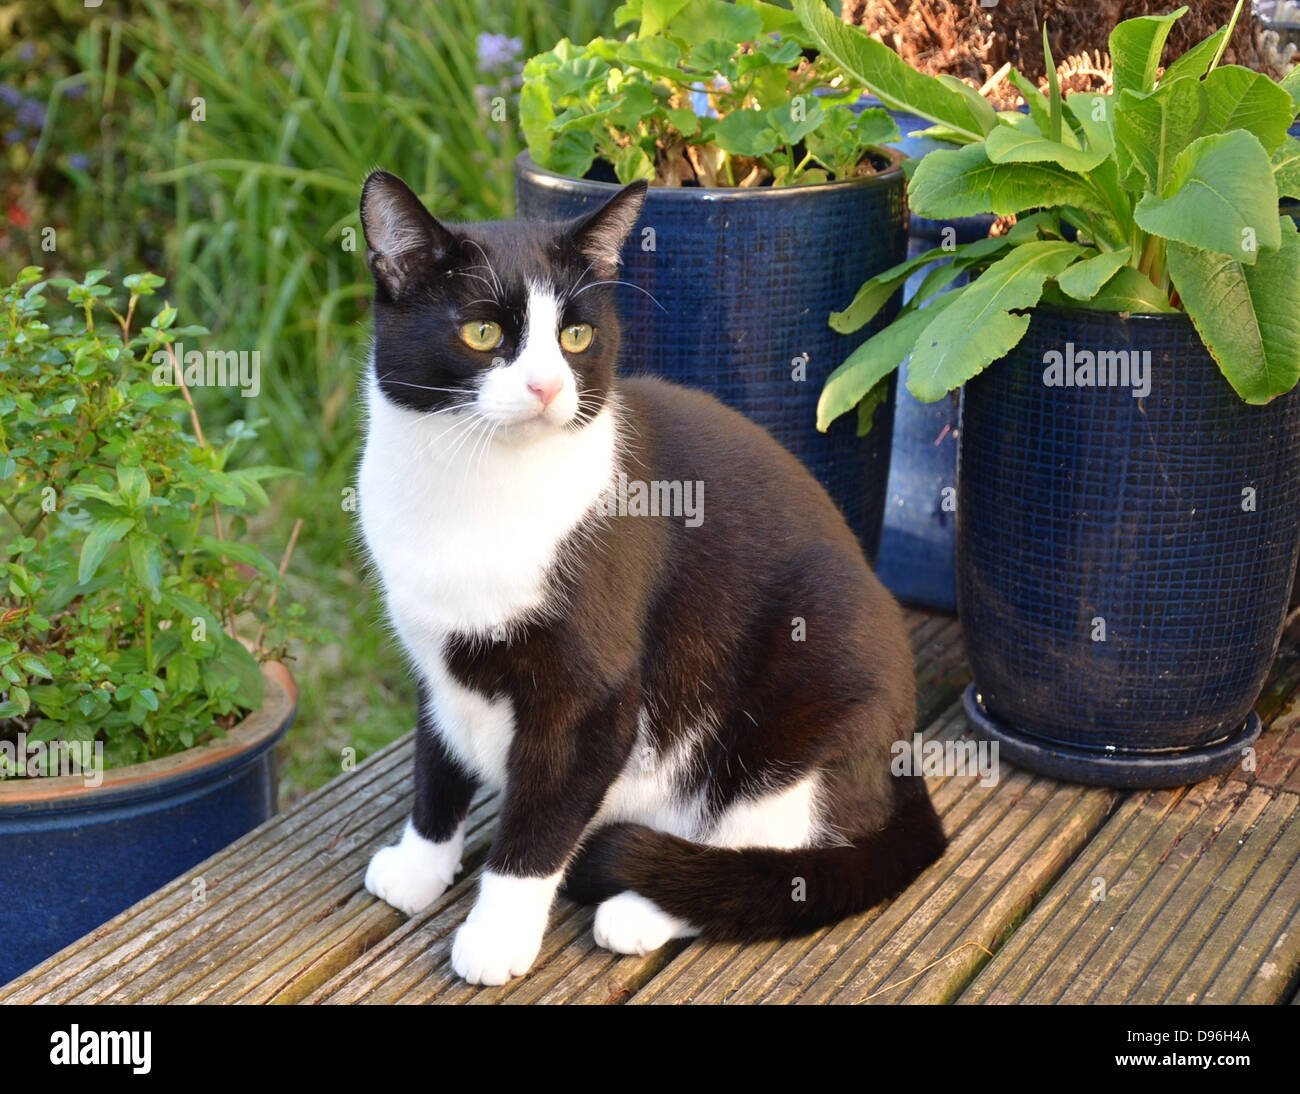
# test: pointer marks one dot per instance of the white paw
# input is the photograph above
(413, 874)
(629, 923)
(492, 953)
(503, 932)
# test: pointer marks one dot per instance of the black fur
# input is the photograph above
(649, 613)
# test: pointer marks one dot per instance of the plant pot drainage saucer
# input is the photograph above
(1130, 770)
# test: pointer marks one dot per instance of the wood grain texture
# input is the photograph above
(1201, 900)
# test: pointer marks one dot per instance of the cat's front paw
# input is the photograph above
(414, 873)
(492, 953)
(629, 923)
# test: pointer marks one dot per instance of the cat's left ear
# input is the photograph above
(404, 243)
(600, 235)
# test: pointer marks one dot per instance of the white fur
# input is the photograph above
(629, 923)
(464, 513)
(785, 818)
(505, 395)
(502, 934)
(647, 791)
(416, 872)
(463, 541)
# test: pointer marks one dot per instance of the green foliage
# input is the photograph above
(1161, 197)
(124, 572)
(704, 91)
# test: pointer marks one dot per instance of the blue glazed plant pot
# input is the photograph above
(736, 287)
(75, 855)
(1123, 563)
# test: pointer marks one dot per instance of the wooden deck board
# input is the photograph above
(1201, 897)
(1202, 901)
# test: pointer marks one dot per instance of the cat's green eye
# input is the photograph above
(481, 334)
(576, 337)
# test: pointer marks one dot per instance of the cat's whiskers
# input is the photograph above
(488, 263)
(619, 281)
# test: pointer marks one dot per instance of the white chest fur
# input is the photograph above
(463, 530)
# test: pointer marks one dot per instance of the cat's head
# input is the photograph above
(508, 320)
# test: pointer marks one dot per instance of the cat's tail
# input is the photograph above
(752, 893)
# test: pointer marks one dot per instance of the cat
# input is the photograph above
(689, 721)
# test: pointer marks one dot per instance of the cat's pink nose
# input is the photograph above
(546, 390)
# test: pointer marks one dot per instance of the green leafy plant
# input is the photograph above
(127, 588)
(1161, 197)
(704, 92)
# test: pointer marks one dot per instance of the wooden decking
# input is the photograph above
(1050, 892)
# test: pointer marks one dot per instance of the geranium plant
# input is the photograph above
(1161, 197)
(131, 612)
(703, 92)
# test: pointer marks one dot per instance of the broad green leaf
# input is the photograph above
(890, 78)
(572, 153)
(632, 163)
(1151, 130)
(871, 401)
(1084, 279)
(963, 182)
(1039, 110)
(1286, 169)
(980, 327)
(88, 490)
(1007, 145)
(102, 536)
(146, 562)
(536, 113)
(789, 127)
(1196, 61)
(1219, 196)
(1248, 316)
(1241, 99)
(1095, 114)
(875, 359)
(239, 552)
(244, 667)
(657, 14)
(655, 55)
(133, 484)
(875, 293)
(1135, 49)
(742, 133)
(1291, 85)
(699, 20)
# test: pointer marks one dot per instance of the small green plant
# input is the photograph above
(705, 92)
(1161, 197)
(126, 590)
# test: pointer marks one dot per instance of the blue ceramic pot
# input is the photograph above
(75, 855)
(738, 284)
(1123, 563)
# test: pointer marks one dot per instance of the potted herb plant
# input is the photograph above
(140, 689)
(768, 194)
(1128, 500)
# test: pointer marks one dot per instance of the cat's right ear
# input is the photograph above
(404, 243)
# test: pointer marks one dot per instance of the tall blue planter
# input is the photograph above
(736, 288)
(75, 856)
(1123, 563)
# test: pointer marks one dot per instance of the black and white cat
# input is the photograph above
(689, 721)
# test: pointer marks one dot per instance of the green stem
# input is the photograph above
(148, 637)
